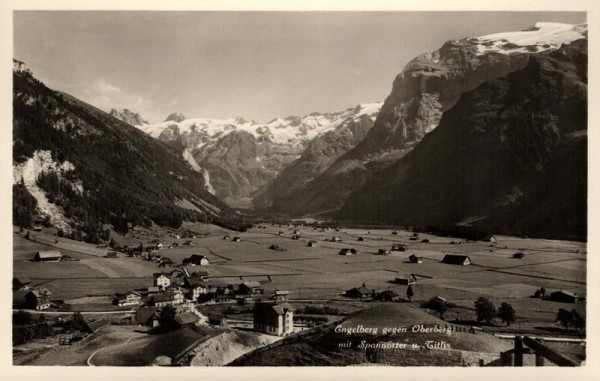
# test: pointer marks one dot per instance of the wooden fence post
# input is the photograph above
(518, 351)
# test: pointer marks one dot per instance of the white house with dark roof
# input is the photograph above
(274, 319)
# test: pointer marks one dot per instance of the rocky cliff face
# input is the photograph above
(129, 117)
(428, 86)
(175, 117)
(242, 157)
(509, 155)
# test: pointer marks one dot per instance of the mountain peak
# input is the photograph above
(128, 117)
(176, 117)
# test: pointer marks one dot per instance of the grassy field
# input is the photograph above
(320, 274)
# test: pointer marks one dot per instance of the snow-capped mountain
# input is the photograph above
(427, 87)
(242, 156)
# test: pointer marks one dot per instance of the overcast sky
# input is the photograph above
(258, 65)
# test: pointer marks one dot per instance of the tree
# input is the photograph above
(578, 321)
(565, 318)
(409, 292)
(485, 309)
(22, 318)
(167, 318)
(507, 314)
(438, 305)
(542, 292)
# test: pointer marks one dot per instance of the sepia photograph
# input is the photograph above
(229, 188)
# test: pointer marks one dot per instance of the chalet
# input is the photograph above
(564, 297)
(395, 232)
(493, 239)
(361, 239)
(196, 287)
(162, 280)
(168, 298)
(196, 260)
(387, 296)
(130, 298)
(236, 239)
(164, 261)
(405, 279)
(188, 243)
(295, 232)
(251, 288)
(147, 316)
(359, 292)
(414, 259)
(437, 298)
(384, 252)
(280, 233)
(296, 237)
(276, 248)
(345, 252)
(200, 274)
(111, 254)
(454, 259)
(455, 242)
(281, 296)
(153, 290)
(425, 241)
(413, 238)
(19, 285)
(518, 255)
(398, 247)
(273, 318)
(312, 243)
(47, 256)
(187, 319)
(216, 319)
(416, 235)
(336, 239)
(38, 299)
(227, 236)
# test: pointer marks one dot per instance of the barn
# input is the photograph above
(47, 256)
(454, 259)
(405, 279)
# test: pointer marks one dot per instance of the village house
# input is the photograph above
(276, 248)
(398, 247)
(405, 279)
(361, 239)
(336, 239)
(130, 298)
(200, 274)
(196, 287)
(162, 280)
(47, 256)
(383, 252)
(274, 319)
(295, 237)
(281, 296)
(153, 290)
(359, 292)
(236, 239)
(38, 299)
(455, 259)
(216, 319)
(251, 288)
(227, 236)
(147, 317)
(414, 259)
(111, 254)
(168, 298)
(312, 243)
(196, 260)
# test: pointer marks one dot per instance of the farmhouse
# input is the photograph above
(425, 241)
(147, 316)
(162, 280)
(398, 247)
(19, 285)
(188, 243)
(414, 259)
(251, 288)
(227, 236)
(275, 319)
(200, 274)
(130, 298)
(387, 296)
(395, 232)
(405, 279)
(564, 297)
(518, 255)
(111, 254)
(384, 252)
(312, 243)
(187, 319)
(348, 251)
(336, 239)
(281, 296)
(196, 260)
(168, 298)
(361, 239)
(276, 248)
(359, 292)
(38, 299)
(454, 259)
(47, 256)
(216, 319)
(236, 239)
(296, 237)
